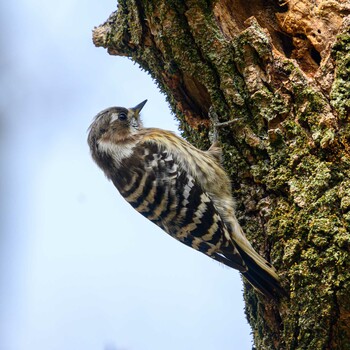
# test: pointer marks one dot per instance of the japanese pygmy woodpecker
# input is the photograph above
(180, 188)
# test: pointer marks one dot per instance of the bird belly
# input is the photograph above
(179, 207)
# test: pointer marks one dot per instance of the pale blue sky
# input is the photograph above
(80, 269)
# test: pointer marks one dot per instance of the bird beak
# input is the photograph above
(137, 109)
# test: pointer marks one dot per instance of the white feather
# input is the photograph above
(118, 152)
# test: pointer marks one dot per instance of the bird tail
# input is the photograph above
(262, 277)
(259, 273)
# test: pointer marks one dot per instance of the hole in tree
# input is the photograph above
(283, 6)
(286, 43)
(315, 55)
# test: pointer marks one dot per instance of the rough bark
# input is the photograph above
(282, 70)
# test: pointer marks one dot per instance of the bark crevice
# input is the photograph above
(281, 69)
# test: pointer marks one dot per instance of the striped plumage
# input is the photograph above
(183, 190)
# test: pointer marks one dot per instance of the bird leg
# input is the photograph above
(214, 134)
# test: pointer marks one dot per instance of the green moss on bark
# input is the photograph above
(287, 153)
(340, 95)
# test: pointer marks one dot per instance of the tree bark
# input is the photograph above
(281, 70)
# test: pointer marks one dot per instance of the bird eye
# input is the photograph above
(122, 116)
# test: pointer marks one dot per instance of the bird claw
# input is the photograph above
(214, 118)
(213, 133)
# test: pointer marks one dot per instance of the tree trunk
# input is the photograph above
(282, 71)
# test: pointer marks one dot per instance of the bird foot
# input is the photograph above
(213, 116)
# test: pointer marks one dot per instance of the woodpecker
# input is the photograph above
(183, 190)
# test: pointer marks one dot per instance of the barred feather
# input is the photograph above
(183, 190)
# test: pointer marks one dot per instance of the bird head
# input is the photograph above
(115, 123)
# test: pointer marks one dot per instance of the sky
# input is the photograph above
(79, 268)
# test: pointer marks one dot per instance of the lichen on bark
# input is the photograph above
(281, 71)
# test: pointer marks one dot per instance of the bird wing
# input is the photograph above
(157, 185)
